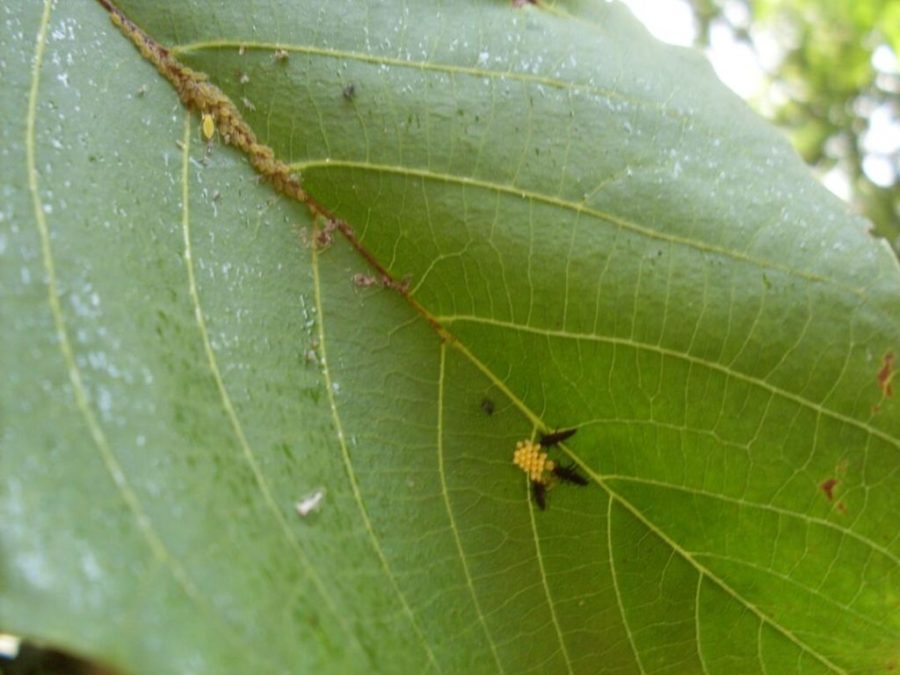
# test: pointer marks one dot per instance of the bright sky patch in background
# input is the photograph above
(744, 70)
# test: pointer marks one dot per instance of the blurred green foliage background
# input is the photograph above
(834, 87)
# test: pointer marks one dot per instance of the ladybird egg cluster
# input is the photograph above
(532, 461)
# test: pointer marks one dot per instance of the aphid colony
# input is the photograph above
(543, 471)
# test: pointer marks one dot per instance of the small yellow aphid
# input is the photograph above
(208, 126)
(532, 461)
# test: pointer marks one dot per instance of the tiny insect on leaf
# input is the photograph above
(548, 440)
(208, 126)
(487, 405)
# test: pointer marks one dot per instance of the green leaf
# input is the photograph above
(608, 240)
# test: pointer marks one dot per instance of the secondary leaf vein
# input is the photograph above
(694, 360)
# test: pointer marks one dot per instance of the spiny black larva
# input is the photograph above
(549, 440)
(568, 473)
(543, 472)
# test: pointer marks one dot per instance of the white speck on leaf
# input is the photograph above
(310, 503)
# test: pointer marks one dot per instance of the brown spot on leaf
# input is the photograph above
(842, 507)
(828, 488)
(886, 374)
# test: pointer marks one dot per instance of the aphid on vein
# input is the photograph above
(208, 126)
(549, 440)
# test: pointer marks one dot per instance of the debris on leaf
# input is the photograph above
(310, 503)
(362, 280)
(487, 406)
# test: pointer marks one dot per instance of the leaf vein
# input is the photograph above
(227, 404)
(615, 582)
(453, 527)
(524, 193)
(110, 462)
(540, 561)
(351, 473)
(693, 360)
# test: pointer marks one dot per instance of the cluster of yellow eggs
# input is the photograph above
(532, 461)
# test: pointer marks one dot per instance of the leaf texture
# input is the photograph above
(609, 241)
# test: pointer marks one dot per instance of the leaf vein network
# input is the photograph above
(576, 207)
(449, 320)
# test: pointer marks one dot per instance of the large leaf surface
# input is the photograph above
(612, 241)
